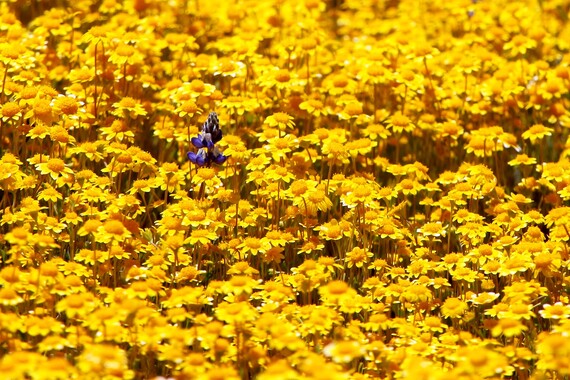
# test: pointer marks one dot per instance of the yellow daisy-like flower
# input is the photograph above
(522, 159)
(50, 194)
(279, 173)
(344, 351)
(11, 111)
(314, 107)
(432, 229)
(315, 200)
(125, 54)
(508, 327)
(399, 123)
(118, 130)
(207, 176)
(113, 230)
(9, 297)
(76, 305)
(537, 132)
(236, 313)
(358, 257)
(202, 236)
(483, 298)
(454, 308)
(188, 109)
(128, 107)
(336, 152)
(376, 132)
(253, 246)
(556, 311)
(54, 167)
(280, 120)
(335, 291)
(519, 45)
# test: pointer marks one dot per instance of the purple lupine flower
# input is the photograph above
(210, 134)
(198, 158)
(217, 156)
(206, 140)
(212, 127)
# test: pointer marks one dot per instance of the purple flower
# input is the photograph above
(206, 157)
(217, 156)
(206, 140)
(198, 158)
(210, 134)
(211, 128)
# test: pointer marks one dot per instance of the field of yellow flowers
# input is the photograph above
(284, 189)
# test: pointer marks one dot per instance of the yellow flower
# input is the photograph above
(201, 236)
(147, 288)
(279, 369)
(274, 255)
(207, 176)
(435, 229)
(556, 311)
(237, 314)
(188, 108)
(314, 200)
(253, 246)
(66, 105)
(279, 173)
(463, 273)
(454, 308)
(519, 45)
(508, 327)
(416, 293)
(408, 187)
(483, 298)
(279, 147)
(336, 291)
(55, 167)
(399, 123)
(360, 146)
(522, 159)
(104, 360)
(536, 132)
(358, 257)
(238, 285)
(280, 120)
(332, 230)
(229, 68)
(77, 305)
(11, 111)
(552, 350)
(339, 83)
(515, 264)
(119, 130)
(314, 107)
(9, 297)
(128, 107)
(50, 194)
(450, 129)
(344, 351)
(336, 152)
(362, 193)
(351, 110)
(112, 230)
(125, 54)
(433, 323)
(518, 311)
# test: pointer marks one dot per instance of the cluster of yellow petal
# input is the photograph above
(394, 203)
